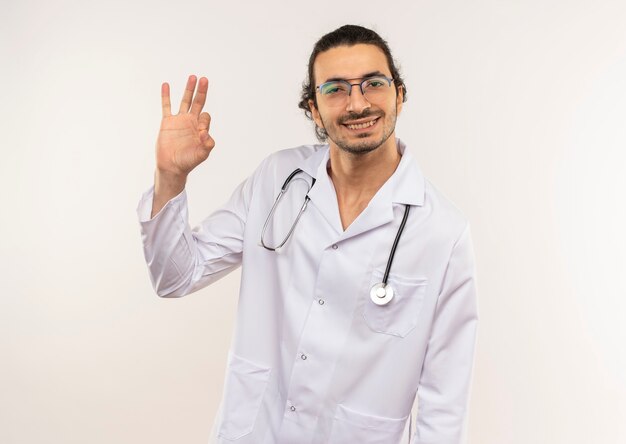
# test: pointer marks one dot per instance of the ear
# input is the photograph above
(399, 99)
(315, 114)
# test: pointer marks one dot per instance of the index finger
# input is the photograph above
(165, 100)
(200, 98)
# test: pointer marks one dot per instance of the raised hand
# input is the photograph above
(183, 142)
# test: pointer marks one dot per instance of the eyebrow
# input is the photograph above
(364, 76)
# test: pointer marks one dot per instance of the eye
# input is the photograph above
(375, 83)
(331, 88)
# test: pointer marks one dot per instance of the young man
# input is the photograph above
(357, 287)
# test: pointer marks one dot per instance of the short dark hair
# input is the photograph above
(347, 35)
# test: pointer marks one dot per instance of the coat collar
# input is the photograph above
(405, 186)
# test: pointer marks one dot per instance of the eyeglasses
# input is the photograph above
(336, 92)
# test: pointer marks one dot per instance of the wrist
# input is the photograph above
(167, 185)
(169, 182)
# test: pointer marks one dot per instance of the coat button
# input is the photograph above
(292, 408)
(303, 357)
(320, 301)
(335, 246)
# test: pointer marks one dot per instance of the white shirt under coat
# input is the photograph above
(313, 359)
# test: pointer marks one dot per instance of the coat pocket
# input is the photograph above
(244, 388)
(350, 426)
(399, 316)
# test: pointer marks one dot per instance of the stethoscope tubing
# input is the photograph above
(392, 254)
(283, 189)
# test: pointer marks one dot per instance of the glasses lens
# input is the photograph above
(334, 88)
(376, 85)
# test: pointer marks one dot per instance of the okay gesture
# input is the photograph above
(184, 141)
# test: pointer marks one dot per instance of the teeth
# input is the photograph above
(362, 125)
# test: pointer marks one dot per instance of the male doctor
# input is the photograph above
(357, 287)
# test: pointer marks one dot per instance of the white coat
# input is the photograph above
(313, 359)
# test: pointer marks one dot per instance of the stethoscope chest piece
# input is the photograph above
(381, 294)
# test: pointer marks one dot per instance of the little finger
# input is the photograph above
(200, 98)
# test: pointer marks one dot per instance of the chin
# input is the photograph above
(366, 144)
(359, 148)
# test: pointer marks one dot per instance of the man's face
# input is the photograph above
(358, 124)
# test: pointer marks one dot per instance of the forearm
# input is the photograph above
(443, 392)
(443, 395)
(168, 252)
(182, 260)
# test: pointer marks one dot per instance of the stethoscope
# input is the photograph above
(381, 293)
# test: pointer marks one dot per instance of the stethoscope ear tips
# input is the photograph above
(381, 294)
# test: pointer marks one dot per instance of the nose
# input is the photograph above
(356, 100)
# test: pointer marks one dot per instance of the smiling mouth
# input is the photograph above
(355, 126)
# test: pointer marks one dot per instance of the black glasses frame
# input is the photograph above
(350, 85)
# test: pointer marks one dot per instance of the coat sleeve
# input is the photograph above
(181, 260)
(443, 392)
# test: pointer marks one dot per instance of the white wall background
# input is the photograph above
(517, 111)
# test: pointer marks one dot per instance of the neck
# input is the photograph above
(357, 177)
(363, 173)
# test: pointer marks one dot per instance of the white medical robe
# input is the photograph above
(313, 359)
